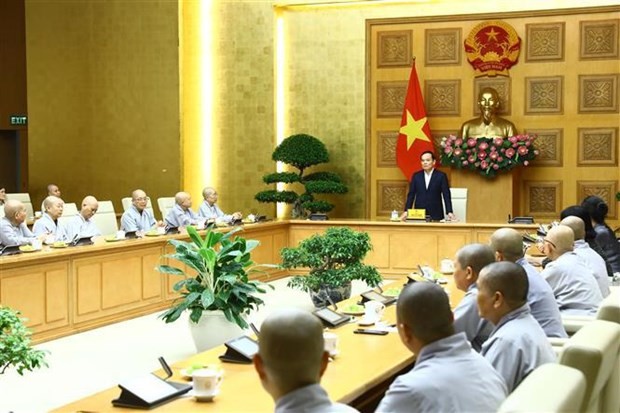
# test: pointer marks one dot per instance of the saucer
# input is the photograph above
(365, 322)
(205, 398)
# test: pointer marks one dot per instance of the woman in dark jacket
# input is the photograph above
(605, 237)
(580, 212)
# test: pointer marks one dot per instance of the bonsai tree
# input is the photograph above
(334, 258)
(221, 266)
(301, 152)
(15, 347)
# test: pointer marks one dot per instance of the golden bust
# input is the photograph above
(488, 125)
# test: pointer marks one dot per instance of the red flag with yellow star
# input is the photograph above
(415, 133)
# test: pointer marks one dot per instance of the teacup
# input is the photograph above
(206, 383)
(49, 239)
(36, 244)
(120, 234)
(200, 224)
(446, 266)
(331, 343)
(373, 311)
(37, 214)
(161, 230)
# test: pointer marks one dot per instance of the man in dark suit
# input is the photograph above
(427, 187)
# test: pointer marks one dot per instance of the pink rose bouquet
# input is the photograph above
(488, 156)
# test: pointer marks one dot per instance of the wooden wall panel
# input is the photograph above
(57, 294)
(566, 80)
(40, 292)
(121, 282)
(151, 278)
(88, 287)
(379, 256)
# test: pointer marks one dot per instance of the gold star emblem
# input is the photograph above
(413, 130)
(492, 34)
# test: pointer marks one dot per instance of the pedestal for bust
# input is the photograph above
(489, 200)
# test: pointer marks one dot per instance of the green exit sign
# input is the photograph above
(19, 120)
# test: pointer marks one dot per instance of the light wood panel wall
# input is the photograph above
(75, 289)
(570, 57)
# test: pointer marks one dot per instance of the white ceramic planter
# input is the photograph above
(212, 330)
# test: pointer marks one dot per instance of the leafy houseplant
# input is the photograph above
(334, 258)
(15, 347)
(302, 151)
(220, 281)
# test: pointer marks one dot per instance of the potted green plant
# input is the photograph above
(334, 259)
(15, 349)
(301, 152)
(215, 288)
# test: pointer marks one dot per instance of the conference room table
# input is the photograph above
(65, 291)
(360, 373)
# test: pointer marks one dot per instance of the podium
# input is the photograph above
(489, 199)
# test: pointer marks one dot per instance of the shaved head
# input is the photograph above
(181, 197)
(209, 190)
(425, 309)
(138, 193)
(509, 243)
(475, 256)
(577, 225)
(562, 237)
(508, 278)
(52, 189)
(292, 348)
(12, 207)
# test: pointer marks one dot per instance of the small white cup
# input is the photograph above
(446, 266)
(161, 230)
(207, 383)
(251, 218)
(201, 224)
(38, 214)
(49, 239)
(373, 311)
(36, 244)
(331, 342)
(120, 234)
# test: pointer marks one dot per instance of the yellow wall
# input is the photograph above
(103, 98)
(113, 69)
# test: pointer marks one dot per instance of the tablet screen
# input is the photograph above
(244, 345)
(328, 315)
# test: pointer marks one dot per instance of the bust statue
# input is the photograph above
(488, 125)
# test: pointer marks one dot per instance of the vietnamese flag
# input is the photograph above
(415, 133)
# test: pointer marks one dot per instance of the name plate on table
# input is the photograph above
(416, 214)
